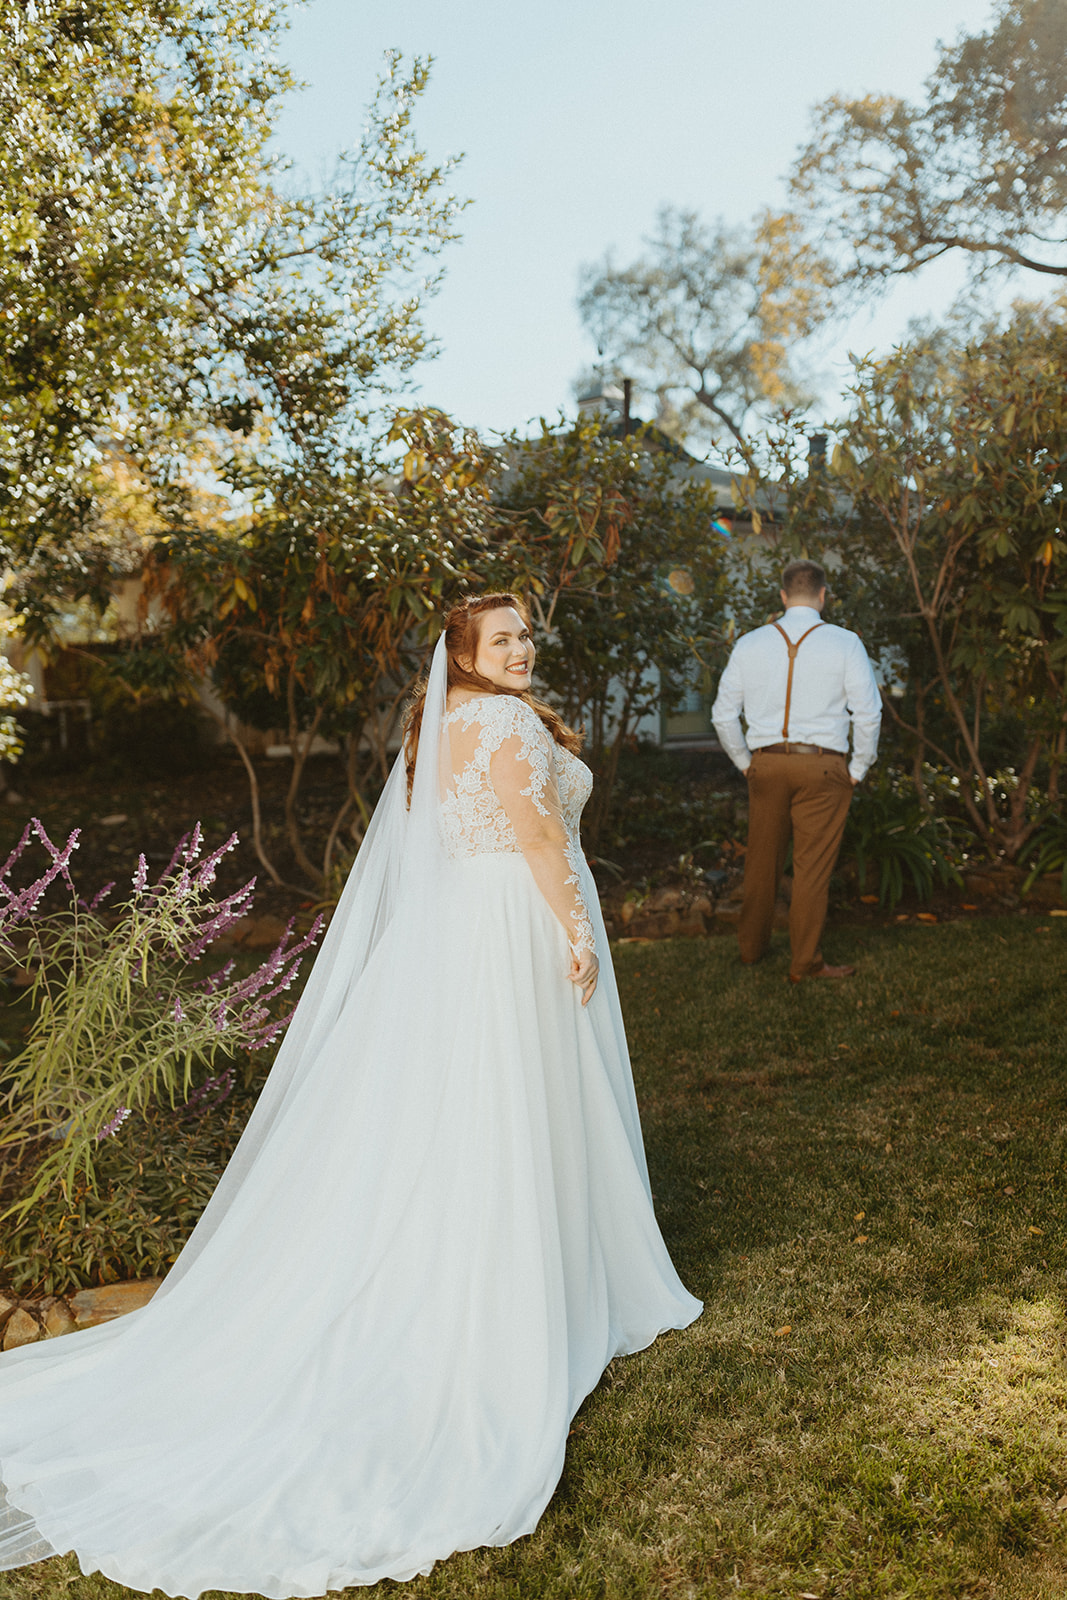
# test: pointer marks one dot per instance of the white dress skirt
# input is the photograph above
(443, 1235)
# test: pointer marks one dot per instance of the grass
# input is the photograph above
(862, 1180)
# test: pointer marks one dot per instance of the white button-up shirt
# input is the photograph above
(833, 684)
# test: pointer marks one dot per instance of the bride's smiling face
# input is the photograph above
(505, 653)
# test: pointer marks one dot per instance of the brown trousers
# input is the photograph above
(808, 797)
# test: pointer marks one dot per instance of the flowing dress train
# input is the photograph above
(435, 1234)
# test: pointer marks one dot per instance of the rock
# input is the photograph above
(6, 1306)
(264, 933)
(1046, 891)
(626, 912)
(21, 1328)
(654, 924)
(701, 906)
(57, 1319)
(728, 912)
(691, 925)
(664, 900)
(93, 1306)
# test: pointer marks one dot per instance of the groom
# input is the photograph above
(799, 682)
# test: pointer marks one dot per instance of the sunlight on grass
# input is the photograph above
(864, 1183)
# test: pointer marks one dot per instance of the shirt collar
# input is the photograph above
(801, 616)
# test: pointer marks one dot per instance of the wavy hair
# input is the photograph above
(461, 631)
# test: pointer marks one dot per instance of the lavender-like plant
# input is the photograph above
(122, 1015)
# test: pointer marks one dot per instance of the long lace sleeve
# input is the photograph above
(522, 774)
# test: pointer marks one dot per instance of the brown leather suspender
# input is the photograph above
(792, 648)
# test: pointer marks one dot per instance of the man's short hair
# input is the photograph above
(803, 577)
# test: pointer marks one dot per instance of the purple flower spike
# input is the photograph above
(140, 877)
(101, 894)
(115, 1124)
(179, 1014)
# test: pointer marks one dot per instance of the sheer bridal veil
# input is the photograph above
(396, 888)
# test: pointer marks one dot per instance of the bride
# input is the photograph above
(433, 1236)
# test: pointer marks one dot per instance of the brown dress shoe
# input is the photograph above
(823, 972)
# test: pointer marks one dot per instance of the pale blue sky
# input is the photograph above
(578, 120)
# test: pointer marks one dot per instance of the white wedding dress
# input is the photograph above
(434, 1235)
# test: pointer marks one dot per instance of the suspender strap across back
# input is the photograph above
(792, 648)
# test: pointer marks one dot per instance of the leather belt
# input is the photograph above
(792, 749)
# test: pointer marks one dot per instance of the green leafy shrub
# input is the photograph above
(153, 1178)
(1047, 851)
(126, 1024)
(891, 836)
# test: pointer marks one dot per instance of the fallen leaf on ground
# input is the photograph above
(859, 1216)
(925, 916)
(1058, 913)
(968, 908)
(1032, 1229)
(869, 899)
(780, 1333)
(1009, 1189)
(861, 1238)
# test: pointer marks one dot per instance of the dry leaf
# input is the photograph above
(780, 1333)
(925, 916)
(869, 899)
(1061, 1503)
(968, 908)
(859, 1216)
(1009, 1189)
(861, 1238)
(1032, 1229)
(1057, 912)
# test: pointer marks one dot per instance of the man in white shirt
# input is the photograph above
(799, 683)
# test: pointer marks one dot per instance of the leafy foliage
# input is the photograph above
(1047, 852)
(15, 690)
(161, 287)
(152, 1179)
(626, 579)
(891, 834)
(980, 167)
(941, 518)
(123, 1018)
(705, 320)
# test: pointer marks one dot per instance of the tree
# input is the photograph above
(158, 282)
(979, 168)
(942, 516)
(627, 573)
(705, 321)
(314, 616)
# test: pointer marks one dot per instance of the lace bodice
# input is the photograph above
(514, 774)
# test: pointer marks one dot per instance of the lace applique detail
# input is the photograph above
(583, 939)
(475, 823)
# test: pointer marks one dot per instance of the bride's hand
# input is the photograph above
(585, 970)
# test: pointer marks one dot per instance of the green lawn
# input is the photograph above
(863, 1182)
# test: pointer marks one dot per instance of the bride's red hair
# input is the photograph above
(461, 631)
